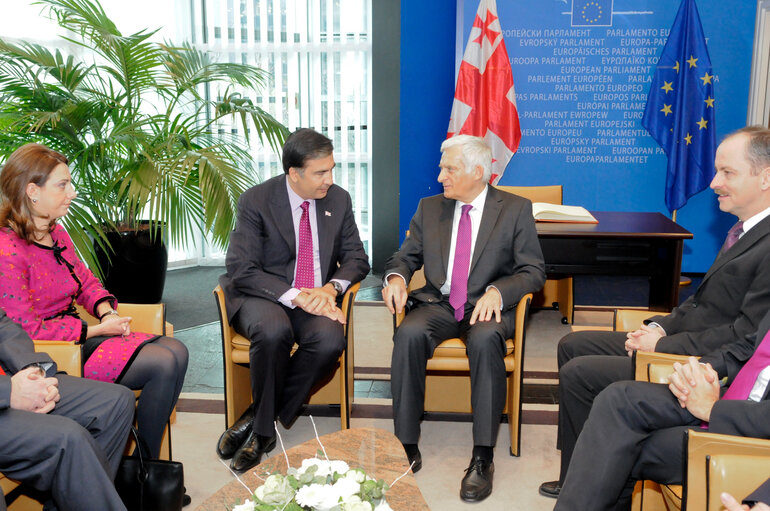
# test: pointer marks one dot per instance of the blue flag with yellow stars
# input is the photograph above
(680, 108)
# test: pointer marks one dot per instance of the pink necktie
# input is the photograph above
(305, 274)
(732, 236)
(458, 289)
(746, 378)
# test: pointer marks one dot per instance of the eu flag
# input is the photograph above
(592, 13)
(680, 108)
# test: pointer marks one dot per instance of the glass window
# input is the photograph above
(318, 54)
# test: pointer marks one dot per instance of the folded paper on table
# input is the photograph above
(545, 212)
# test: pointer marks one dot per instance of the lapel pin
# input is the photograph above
(327, 213)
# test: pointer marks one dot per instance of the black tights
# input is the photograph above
(158, 370)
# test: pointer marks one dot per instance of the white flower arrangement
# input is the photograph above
(319, 484)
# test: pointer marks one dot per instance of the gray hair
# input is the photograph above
(758, 147)
(475, 152)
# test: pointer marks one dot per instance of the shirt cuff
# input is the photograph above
(385, 278)
(286, 298)
(655, 325)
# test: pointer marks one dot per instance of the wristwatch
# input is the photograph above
(337, 286)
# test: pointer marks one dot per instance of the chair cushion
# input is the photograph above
(450, 356)
(455, 348)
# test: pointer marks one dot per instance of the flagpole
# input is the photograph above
(683, 281)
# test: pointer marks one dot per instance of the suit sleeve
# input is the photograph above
(16, 348)
(741, 418)
(761, 494)
(353, 261)
(409, 258)
(753, 308)
(528, 272)
(5, 392)
(245, 255)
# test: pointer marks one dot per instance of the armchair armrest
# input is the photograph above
(655, 367)
(627, 320)
(66, 354)
(718, 463)
(149, 318)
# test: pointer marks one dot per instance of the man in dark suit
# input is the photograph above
(57, 431)
(294, 251)
(635, 429)
(732, 298)
(480, 253)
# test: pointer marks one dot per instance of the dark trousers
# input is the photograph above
(634, 431)
(424, 328)
(281, 382)
(588, 362)
(79, 443)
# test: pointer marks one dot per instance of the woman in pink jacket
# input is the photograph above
(41, 279)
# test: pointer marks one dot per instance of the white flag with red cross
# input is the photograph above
(485, 100)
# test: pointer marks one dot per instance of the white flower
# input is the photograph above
(275, 491)
(323, 467)
(355, 504)
(312, 495)
(249, 505)
(339, 466)
(382, 506)
(356, 474)
(345, 488)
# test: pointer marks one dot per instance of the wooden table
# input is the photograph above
(622, 243)
(376, 451)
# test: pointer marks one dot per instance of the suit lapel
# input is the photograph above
(325, 218)
(492, 207)
(445, 232)
(284, 222)
(747, 241)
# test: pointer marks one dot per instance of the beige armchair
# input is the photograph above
(336, 390)
(448, 384)
(556, 292)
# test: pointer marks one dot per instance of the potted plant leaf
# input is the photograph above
(134, 117)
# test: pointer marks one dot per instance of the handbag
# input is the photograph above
(146, 484)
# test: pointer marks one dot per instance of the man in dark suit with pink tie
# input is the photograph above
(294, 251)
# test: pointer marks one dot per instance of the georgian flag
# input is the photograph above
(485, 100)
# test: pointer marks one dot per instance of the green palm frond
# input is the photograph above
(142, 139)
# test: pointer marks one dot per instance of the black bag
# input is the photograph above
(149, 485)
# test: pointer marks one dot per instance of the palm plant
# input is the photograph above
(140, 134)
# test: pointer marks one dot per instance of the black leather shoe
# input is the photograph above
(235, 435)
(477, 483)
(186, 500)
(550, 489)
(414, 457)
(251, 452)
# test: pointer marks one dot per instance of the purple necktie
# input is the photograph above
(305, 274)
(746, 378)
(732, 236)
(458, 289)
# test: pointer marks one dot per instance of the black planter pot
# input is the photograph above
(136, 271)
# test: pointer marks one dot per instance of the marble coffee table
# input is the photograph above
(376, 451)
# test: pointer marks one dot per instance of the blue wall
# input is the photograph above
(428, 38)
(431, 47)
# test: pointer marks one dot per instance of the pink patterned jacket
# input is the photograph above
(36, 291)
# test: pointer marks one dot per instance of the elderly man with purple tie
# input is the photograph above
(480, 253)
